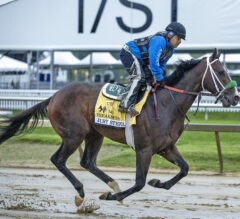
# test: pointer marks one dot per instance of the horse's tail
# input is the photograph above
(18, 124)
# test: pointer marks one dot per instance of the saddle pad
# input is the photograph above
(106, 111)
(113, 91)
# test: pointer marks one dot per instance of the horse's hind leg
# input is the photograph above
(59, 159)
(172, 155)
(93, 143)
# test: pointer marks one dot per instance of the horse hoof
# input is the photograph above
(153, 182)
(105, 196)
(78, 200)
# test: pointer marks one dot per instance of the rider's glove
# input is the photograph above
(161, 83)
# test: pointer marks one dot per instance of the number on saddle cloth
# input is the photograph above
(115, 91)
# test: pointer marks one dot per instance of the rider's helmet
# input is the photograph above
(178, 29)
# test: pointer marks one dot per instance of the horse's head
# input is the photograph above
(217, 80)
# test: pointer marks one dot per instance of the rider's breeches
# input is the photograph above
(136, 75)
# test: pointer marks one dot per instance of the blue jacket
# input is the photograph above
(156, 46)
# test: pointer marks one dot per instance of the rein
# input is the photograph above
(199, 94)
(186, 92)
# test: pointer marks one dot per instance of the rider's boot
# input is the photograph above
(129, 99)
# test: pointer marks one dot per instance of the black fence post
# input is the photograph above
(174, 11)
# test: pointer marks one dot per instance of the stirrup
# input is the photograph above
(132, 111)
(122, 109)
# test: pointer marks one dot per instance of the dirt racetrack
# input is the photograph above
(36, 193)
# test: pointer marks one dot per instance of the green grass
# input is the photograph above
(20, 153)
(215, 117)
(197, 148)
(44, 135)
(27, 154)
(47, 135)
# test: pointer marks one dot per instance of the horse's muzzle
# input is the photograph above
(229, 100)
(236, 100)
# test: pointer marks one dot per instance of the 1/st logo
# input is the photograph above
(119, 20)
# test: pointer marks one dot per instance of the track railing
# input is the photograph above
(216, 128)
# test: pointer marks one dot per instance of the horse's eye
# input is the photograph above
(221, 72)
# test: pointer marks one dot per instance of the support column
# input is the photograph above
(29, 61)
(219, 153)
(224, 60)
(174, 11)
(206, 114)
(91, 66)
(52, 70)
(37, 73)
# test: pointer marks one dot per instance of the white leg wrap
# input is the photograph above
(129, 132)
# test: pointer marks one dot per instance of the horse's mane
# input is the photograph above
(181, 68)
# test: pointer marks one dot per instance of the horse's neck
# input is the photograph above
(189, 84)
(191, 81)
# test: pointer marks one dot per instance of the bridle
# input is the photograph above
(215, 80)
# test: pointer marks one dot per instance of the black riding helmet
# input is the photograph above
(178, 29)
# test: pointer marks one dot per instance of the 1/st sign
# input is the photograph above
(122, 19)
(80, 24)
(119, 20)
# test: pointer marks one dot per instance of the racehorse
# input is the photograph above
(70, 111)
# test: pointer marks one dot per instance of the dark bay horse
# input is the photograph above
(70, 111)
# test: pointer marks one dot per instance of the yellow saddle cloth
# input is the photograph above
(106, 111)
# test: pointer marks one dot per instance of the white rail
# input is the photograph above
(27, 93)
(211, 107)
(24, 99)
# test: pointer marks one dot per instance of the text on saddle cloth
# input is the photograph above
(113, 91)
(106, 111)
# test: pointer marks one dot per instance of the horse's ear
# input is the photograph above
(216, 54)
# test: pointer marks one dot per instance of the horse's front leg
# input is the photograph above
(171, 154)
(143, 159)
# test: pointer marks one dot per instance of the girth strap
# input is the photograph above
(155, 101)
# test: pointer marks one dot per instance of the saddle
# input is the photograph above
(115, 91)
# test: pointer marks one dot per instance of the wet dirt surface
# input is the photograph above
(35, 193)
